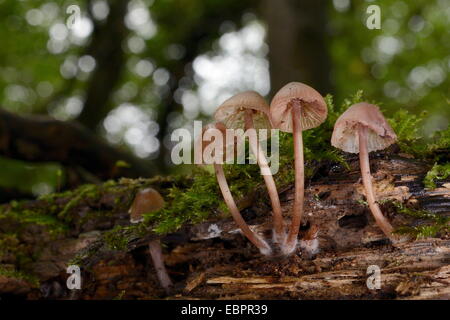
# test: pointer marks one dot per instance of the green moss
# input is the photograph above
(12, 273)
(9, 243)
(193, 204)
(425, 231)
(408, 128)
(115, 239)
(85, 191)
(362, 202)
(119, 237)
(438, 172)
(11, 247)
(24, 217)
(120, 295)
(434, 224)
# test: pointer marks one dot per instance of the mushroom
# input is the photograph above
(362, 129)
(249, 110)
(297, 107)
(262, 245)
(146, 201)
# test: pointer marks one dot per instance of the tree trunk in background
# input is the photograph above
(297, 42)
(106, 49)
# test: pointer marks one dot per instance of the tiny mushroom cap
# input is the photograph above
(313, 112)
(146, 201)
(379, 134)
(232, 112)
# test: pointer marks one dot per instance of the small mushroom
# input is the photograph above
(362, 129)
(295, 108)
(146, 201)
(249, 110)
(262, 245)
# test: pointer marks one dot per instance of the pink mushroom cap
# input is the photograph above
(379, 136)
(313, 107)
(232, 112)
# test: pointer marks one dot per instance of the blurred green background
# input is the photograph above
(132, 71)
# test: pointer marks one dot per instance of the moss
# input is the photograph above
(86, 191)
(434, 224)
(193, 204)
(120, 295)
(438, 172)
(9, 244)
(115, 239)
(411, 140)
(362, 202)
(119, 237)
(12, 273)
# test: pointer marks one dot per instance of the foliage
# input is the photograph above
(116, 238)
(193, 204)
(23, 217)
(404, 64)
(411, 140)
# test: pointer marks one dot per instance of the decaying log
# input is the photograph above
(419, 269)
(334, 202)
(213, 260)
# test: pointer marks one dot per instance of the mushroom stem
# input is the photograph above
(228, 197)
(279, 235)
(291, 242)
(381, 221)
(154, 247)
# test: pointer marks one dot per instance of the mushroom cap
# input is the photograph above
(379, 135)
(147, 200)
(201, 144)
(232, 112)
(313, 112)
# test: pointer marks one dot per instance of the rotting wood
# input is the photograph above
(198, 256)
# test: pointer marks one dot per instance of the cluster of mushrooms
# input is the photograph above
(295, 108)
